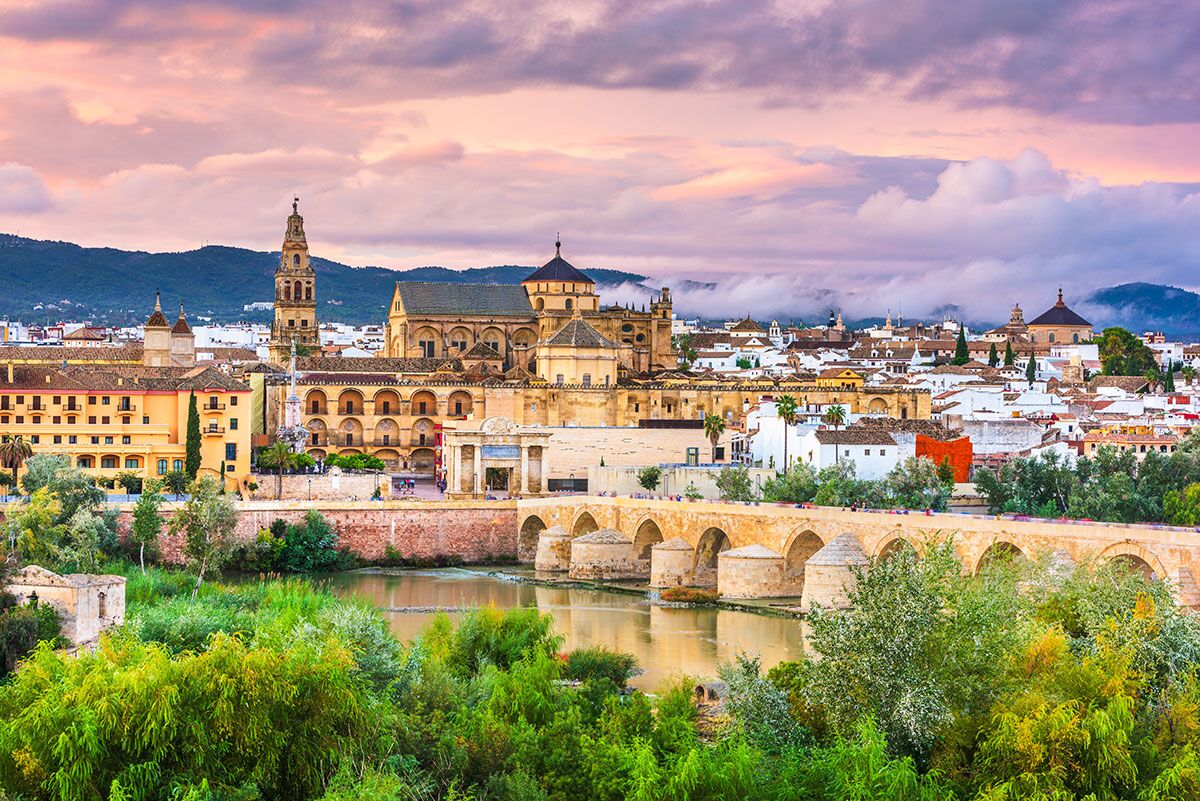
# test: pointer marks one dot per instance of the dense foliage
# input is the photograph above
(355, 461)
(1018, 683)
(1123, 353)
(311, 546)
(1111, 486)
(915, 483)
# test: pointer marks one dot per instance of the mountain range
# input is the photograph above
(43, 281)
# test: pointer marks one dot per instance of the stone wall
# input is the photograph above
(675, 480)
(332, 486)
(475, 531)
(577, 449)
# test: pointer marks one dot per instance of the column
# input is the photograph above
(524, 469)
(452, 467)
(544, 472)
(478, 469)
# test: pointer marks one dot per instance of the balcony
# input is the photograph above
(212, 431)
(347, 442)
(350, 410)
(126, 407)
(317, 408)
(213, 407)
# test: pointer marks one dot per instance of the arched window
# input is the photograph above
(298, 290)
(1075, 338)
(308, 291)
(295, 259)
(287, 291)
(1051, 337)
(569, 304)
(541, 303)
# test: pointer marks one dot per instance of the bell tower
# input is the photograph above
(295, 294)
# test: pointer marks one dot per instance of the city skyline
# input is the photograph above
(908, 154)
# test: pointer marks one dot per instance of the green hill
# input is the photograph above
(44, 280)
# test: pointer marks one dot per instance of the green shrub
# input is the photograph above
(586, 664)
(310, 547)
(18, 636)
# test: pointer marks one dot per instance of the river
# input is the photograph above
(667, 642)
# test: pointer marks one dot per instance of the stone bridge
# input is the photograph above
(768, 550)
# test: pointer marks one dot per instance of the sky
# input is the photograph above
(868, 154)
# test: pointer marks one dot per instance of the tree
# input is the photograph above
(1182, 507)
(744, 363)
(130, 481)
(1169, 380)
(1010, 358)
(835, 416)
(916, 483)
(278, 456)
(146, 524)
(788, 412)
(207, 521)
(1122, 353)
(961, 354)
(650, 477)
(73, 487)
(1031, 370)
(993, 357)
(714, 427)
(733, 484)
(687, 353)
(176, 482)
(945, 471)
(14, 450)
(1189, 374)
(191, 458)
(796, 485)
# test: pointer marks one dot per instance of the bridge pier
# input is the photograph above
(752, 571)
(671, 564)
(553, 550)
(603, 555)
(829, 575)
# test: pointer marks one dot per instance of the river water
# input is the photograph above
(667, 642)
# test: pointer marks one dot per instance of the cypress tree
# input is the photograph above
(1169, 379)
(191, 459)
(961, 354)
(993, 357)
(1031, 370)
(1010, 358)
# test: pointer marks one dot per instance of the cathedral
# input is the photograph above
(529, 326)
(295, 295)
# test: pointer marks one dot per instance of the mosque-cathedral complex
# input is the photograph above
(544, 353)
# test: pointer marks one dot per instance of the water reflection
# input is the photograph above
(667, 642)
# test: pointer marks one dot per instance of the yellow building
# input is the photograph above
(112, 417)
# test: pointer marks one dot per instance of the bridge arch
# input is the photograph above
(704, 562)
(584, 524)
(892, 545)
(999, 551)
(800, 549)
(648, 535)
(1136, 556)
(527, 537)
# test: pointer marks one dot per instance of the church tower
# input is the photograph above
(295, 295)
(156, 337)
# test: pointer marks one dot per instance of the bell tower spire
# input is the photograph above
(295, 293)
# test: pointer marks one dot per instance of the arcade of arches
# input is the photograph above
(763, 550)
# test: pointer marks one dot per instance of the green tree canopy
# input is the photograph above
(961, 354)
(1122, 353)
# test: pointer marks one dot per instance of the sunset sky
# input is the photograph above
(872, 153)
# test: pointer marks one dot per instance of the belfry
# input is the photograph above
(295, 295)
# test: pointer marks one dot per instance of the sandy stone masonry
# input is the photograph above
(808, 552)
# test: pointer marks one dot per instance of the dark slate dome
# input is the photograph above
(1059, 314)
(558, 269)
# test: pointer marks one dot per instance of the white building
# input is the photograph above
(874, 453)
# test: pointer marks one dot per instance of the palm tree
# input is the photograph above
(277, 455)
(714, 427)
(1189, 374)
(787, 410)
(835, 416)
(14, 450)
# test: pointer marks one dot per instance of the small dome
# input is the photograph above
(556, 530)
(755, 551)
(604, 536)
(673, 544)
(842, 550)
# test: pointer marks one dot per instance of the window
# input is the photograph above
(35, 439)
(4, 419)
(719, 454)
(91, 400)
(126, 420)
(91, 419)
(427, 348)
(131, 462)
(20, 418)
(233, 400)
(145, 419)
(1075, 338)
(37, 418)
(458, 407)
(230, 451)
(229, 468)
(1052, 337)
(104, 420)
(71, 420)
(387, 407)
(58, 400)
(20, 399)
(56, 419)
(108, 440)
(95, 440)
(295, 259)
(58, 439)
(72, 439)
(162, 467)
(421, 407)
(233, 424)
(105, 401)
(866, 451)
(126, 439)
(108, 463)
(304, 323)
(461, 344)
(569, 304)
(291, 323)
(559, 379)
(84, 461)
(493, 344)
(177, 464)
(587, 382)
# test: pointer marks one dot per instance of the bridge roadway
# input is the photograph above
(793, 536)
